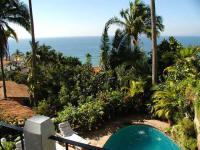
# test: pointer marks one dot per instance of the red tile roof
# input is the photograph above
(14, 90)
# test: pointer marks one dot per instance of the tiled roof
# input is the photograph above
(15, 109)
(96, 69)
(14, 90)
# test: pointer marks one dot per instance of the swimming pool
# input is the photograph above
(140, 137)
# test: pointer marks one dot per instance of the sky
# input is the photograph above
(62, 18)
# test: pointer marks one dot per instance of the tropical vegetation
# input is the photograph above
(137, 21)
(11, 11)
(68, 89)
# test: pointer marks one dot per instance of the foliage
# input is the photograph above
(184, 134)
(166, 54)
(44, 109)
(86, 116)
(18, 55)
(52, 69)
(180, 79)
(70, 88)
(167, 101)
(17, 76)
(137, 21)
(8, 145)
(88, 59)
(76, 84)
(104, 60)
(7, 133)
(120, 51)
(92, 114)
(178, 97)
(12, 11)
(15, 12)
(135, 87)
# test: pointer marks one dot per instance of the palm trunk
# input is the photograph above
(197, 125)
(170, 122)
(34, 53)
(3, 79)
(129, 43)
(135, 42)
(154, 43)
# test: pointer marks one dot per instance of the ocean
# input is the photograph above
(80, 46)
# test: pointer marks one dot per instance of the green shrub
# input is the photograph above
(184, 134)
(8, 145)
(44, 109)
(113, 103)
(86, 116)
(17, 76)
(93, 113)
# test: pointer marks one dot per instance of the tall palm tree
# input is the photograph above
(154, 43)
(137, 21)
(34, 52)
(3, 52)
(11, 11)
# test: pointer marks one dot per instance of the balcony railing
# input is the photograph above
(85, 146)
(18, 131)
(52, 137)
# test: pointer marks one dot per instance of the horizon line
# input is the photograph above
(25, 38)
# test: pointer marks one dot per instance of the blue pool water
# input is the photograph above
(140, 137)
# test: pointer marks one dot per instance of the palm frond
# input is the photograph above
(11, 33)
(16, 12)
(116, 21)
(3, 42)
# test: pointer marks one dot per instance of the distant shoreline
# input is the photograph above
(88, 36)
(80, 46)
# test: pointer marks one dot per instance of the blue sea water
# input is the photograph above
(80, 46)
(140, 137)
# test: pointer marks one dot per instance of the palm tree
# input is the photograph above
(3, 52)
(137, 21)
(11, 11)
(154, 43)
(34, 52)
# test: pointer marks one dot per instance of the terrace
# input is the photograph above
(99, 137)
(39, 133)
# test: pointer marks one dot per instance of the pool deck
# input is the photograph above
(100, 136)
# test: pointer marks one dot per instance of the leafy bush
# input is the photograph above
(94, 112)
(166, 52)
(86, 116)
(184, 134)
(76, 84)
(7, 145)
(44, 109)
(18, 77)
